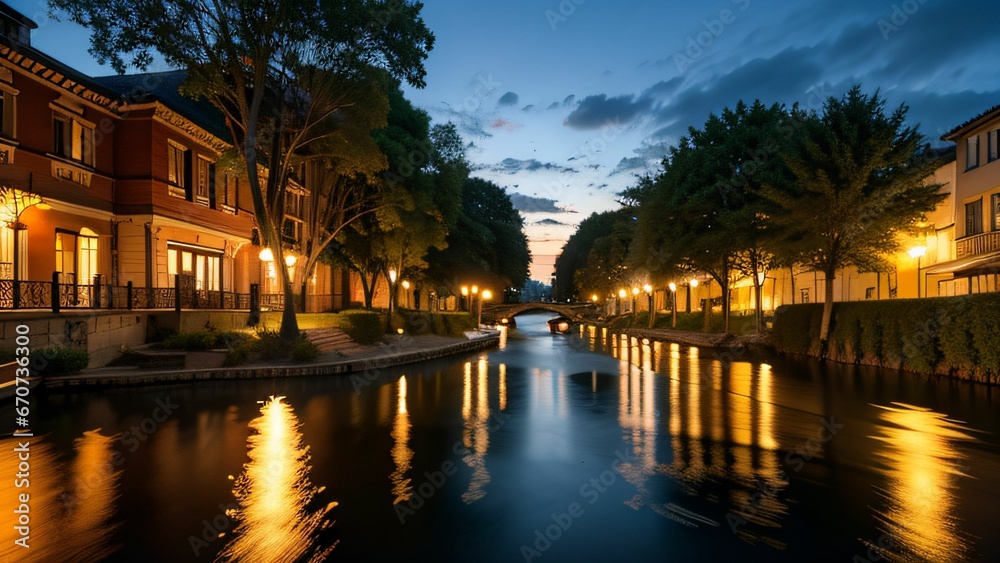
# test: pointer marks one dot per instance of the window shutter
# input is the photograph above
(211, 186)
(188, 180)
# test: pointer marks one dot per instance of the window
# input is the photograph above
(227, 196)
(179, 171)
(991, 143)
(204, 265)
(293, 204)
(292, 230)
(974, 218)
(76, 256)
(7, 114)
(995, 211)
(72, 139)
(205, 181)
(86, 256)
(972, 152)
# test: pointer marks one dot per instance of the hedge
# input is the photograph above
(364, 327)
(950, 335)
(58, 361)
(424, 322)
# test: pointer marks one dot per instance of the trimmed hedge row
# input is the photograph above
(364, 327)
(949, 335)
(443, 324)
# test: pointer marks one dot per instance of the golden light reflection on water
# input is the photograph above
(275, 520)
(923, 466)
(402, 455)
(475, 431)
(71, 508)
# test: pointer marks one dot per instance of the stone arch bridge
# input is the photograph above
(575, 311)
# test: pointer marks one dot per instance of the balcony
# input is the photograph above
(977, 244)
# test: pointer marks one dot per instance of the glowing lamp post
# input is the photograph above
(618, 304)
(649, 296)
(463, 306)
(673, 305)
(635, 293)
(406, 292)
(392, 288)
(918, 253)
(693, 284)
(487, 294)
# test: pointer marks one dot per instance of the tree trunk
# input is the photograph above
(706, 309)
(758, 309)
(824, 330)
(289, 322)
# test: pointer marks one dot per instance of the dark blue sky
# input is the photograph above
(564, 101)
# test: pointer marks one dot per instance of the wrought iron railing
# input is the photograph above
(56, 295)
(977, 244)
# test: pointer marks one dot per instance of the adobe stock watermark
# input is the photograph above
(696, 45)
(899, 16)
(435, 480)
(563, 11)
(590, 492)
(796, 459)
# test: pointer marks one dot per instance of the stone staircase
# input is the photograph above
(333, 340)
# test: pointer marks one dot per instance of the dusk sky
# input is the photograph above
(563, 103)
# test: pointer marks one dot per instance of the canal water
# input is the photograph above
(589, 447)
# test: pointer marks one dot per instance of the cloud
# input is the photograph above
(551, 223)
(529, 204)
(595, 112)
(514, 165)
(504, 124)
(508, 99)
(528, 107)
(568, 100)
(553, 105)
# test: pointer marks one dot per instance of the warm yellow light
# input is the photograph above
(672, 286)
(406, 284)
(43, 206)
(290, 260)
(475, 289)
(917, 251)
(392, 276)
(487, 294)
(647, 288)
(266, 255)
(593, 298)
(694, 282)
(621, 293)
(635, 291)
(465, 291)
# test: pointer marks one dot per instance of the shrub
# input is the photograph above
(270, 345)
(364, 327)
(58, 361)
(796, 326)
(304, 351)
(240, 352)
(198, 340)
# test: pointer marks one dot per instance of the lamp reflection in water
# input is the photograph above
(475, 434)
(276, 519)
(402, 455)
(922, 461)
(71, 508)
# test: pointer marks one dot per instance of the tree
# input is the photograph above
(575, 257)
(704, 212)
(860, 178)
(487, 246)
(273, 69)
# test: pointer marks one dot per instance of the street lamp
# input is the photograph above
(465, 298)
(693, 284)
(918, 253)
(649, 295)
(392, 287)
(487, 294)
(673, 305)
(14, 202)
(635, 293)
(406, 291)
(618, 304)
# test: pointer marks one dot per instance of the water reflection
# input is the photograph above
(275, 519)
(402, 455)
(923, 466)
(70, 511)
(475, 431)
(721, 423)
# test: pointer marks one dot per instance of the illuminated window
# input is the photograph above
(204, 265)
(86, 256)
(177, 163)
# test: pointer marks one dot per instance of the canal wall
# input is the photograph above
(101, 333)
(364, 368)
(951, 336)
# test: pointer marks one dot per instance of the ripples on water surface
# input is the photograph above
(554, 448)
